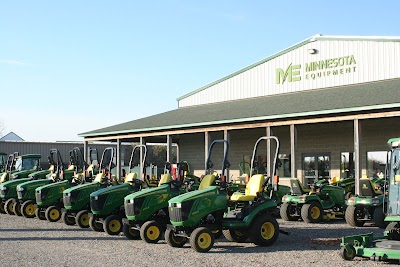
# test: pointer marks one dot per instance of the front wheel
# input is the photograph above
(202, 239)
(82, 219)
(264, 231)
(2, 208)
(348, 256)
(68, 218)
(9, 206)
(286, 212)
(112, 225)
(354, 216)
(235, 235)
(379, 217)
(312, 212)
(39, 212)
(150, 232)
(53, 214)
(174, 240)
(17, 208)
(28, 209)
(130, 233)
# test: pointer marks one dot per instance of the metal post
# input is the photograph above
(118, 158)
(206, 145)
(293, 140)
(226, 137)
(142, 142)
(85, 150)
(357, 155)
(270, 172)
(169, 148)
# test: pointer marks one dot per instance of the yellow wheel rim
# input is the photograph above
(54, 214)
(84, 220)
(12, 207)
(115, 226)
(315, 213)
(267, 230)
(153, 232)
(30, 210)
(204, 240)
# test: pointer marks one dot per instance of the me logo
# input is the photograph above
(292, 74)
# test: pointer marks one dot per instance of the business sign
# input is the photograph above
(316, 70)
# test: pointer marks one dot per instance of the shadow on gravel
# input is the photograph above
(78, 238)
(45, 230)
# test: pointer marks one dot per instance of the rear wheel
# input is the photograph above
(9, 206)
(354, 216)
(39, 212)
(28, 209)
(312, 212)
(348, 256)
(112, 225)
(235, 235)
(150, 232)
(95, 225)
(82, 219)
(174, 240)
(2, 208)
(286, 212)
(130, 233)
(202, 239)
(53, 214)
(68, 218)
(379, 217)
(264, 231)
(17, 208)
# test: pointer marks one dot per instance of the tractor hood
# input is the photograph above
(22, 174)
(211, 190)
(81, 187)
(163, 189)
(40, 174)
(112, 190)
(52, 185)
(12, 183)
(32, 184)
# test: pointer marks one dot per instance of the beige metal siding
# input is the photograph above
(374, 61)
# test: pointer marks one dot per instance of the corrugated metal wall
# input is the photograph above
(374, 61)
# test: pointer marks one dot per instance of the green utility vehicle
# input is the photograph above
(147, 210)
(324, 201)
(368, 205)
(77, 198)
(24, 165)
(386, 247)
(49, 197)
(107, 204)
(196, 215)
(26, 190)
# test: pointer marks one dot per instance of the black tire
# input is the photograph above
(67, 218)
(151, 232)
(379, 217)
(347, 256)
(28, 209)
(202, 239)
(82, 219)
(39, 212)
(348, 195)
(53, 214)
(235, 235)
(312, 212)
(285, 212)
(392, 231)
(17, 208)
(2, 207)
(9, 206)
(264, 231)
(130, 233)
(95, 225)
(217, 233)
(174, 240)
(352, 216)
(112, 225)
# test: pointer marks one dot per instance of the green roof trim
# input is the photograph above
(336, 100)
(314, 38)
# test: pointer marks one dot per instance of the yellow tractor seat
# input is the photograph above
(130, 177)
(253, 187)
(90, 168)
(99, 177)
(51, 169)
(207, 181)
(334, 180)
(165, 178)
(71, 168)
(3, 177)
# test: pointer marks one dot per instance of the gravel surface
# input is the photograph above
(30, 242)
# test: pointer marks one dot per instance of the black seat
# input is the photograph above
(366, 189)
(296, 187)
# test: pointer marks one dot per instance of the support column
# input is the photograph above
(270, 172)
(85, 150)
(293, 141)
(206, 145)
(357, 155)
(226, 137)
(142, 142)
(118, 158)
(169, 148)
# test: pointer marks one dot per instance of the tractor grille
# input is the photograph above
(180, 214)
(135, 207)
(41, 195)
(97, 204)
(70, 198)
(175, 214)
(20, 194)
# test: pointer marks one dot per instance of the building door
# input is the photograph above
(316, 167)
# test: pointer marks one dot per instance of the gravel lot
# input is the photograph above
(30, 242)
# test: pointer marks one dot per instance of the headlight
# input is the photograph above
(179, 205)
(96, 197)
(131, 201)
(15, 176)
(20, 189)
(68, 194)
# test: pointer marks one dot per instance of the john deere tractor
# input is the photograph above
(49, 197)
(5, 176)
(107, 204)
(24, 166)
(196, 215)
(324, 201)
(77, 198)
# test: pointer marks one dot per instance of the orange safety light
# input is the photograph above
(276, 179)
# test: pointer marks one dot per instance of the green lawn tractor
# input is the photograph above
(386, 247)
(324, 201)
(196, 215)
(49, 197)
(77, 198)
(368, 205)
(24, 166)
(147, 210)
(9, 168)
(107, 204)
